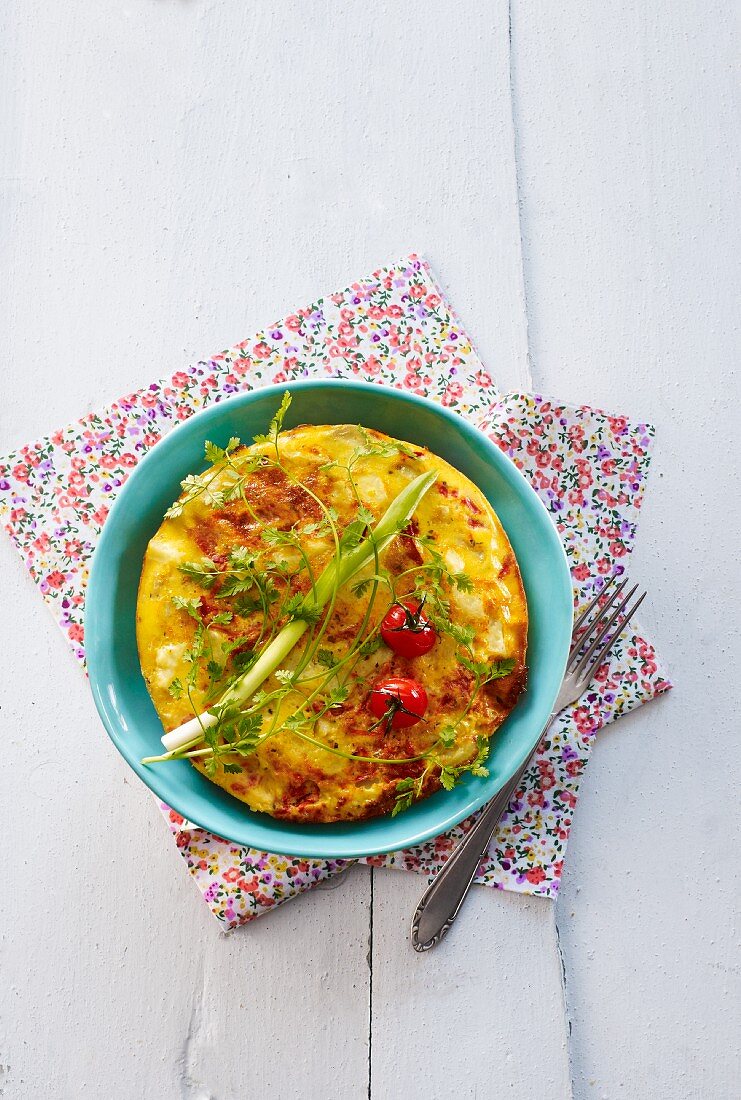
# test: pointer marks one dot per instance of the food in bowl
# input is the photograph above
(331, 623)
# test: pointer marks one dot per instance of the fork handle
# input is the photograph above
(442, 900)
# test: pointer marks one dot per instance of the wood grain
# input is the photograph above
(176, 175)
(627, 136)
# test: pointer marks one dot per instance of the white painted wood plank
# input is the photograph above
(179, 174)
(480, 1016)
(627, 121)
(175, 175)
(116, 980)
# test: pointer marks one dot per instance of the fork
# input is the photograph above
(593, 635)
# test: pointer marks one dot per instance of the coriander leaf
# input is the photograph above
(447, 735)
(241, 558)
(477, 668)
(370, 645)
(244, 660)
(213, 453)
(176, 689)
(191, 606)
(232, 769)
(293, 604)
(326, 657)
(273, 537)
(463, 582)
(203, 572)
(404, 796)
(353, 534)
(477, 767)
(192, 487)
(297, 609)
(231, 492)
(338, 695)
(236, 584)
(499, 669)
(222, 618)
(276, 424)
(245, 605)
(463, 635)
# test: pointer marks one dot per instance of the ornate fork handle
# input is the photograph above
(441, 902)
(444, 897)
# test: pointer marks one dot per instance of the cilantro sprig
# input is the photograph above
(259, 582)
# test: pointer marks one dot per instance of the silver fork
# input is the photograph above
(593, 635)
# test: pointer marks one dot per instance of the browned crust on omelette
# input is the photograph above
(286, 777)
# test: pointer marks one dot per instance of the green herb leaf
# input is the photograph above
(212, 453)
(486, 672)
(404, 796)
(446, 735)
(191, 606)
(326, 657)
(370, 645)
(235, 584)
(241, 558)
(499, 669)
(276, 424)
(353, 534)
(243, 660)
(204, 573)
(477, 767)
(338, 695)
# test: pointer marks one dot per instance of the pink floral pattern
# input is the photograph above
(590, 471)
(394, 328)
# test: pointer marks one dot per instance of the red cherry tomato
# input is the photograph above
(397, 702)
(406, 630)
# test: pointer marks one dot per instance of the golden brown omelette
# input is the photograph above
(229, 568)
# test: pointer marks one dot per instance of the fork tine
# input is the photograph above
(606, 621)
(595, 601)
(595, 662)
(578, 642)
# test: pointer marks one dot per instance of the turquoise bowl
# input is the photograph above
(113, 663)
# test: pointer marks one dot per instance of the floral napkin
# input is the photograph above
(395, 328)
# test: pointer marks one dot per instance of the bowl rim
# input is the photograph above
(108, 714)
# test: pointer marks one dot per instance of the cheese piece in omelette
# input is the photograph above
(287, 776)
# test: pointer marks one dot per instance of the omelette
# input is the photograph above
(336, 733)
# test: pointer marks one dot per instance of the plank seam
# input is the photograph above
(518, 197)
(370, 990)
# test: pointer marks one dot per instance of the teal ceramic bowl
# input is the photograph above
(113, 663)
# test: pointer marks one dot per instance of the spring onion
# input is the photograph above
(343, 566)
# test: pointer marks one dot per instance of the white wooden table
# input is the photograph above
(175, 174)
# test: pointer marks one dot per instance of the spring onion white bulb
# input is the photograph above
(337, 573)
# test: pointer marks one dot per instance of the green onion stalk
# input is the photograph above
(339, 571)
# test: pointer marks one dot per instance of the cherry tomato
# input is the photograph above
(406, 630)
(397, 702)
